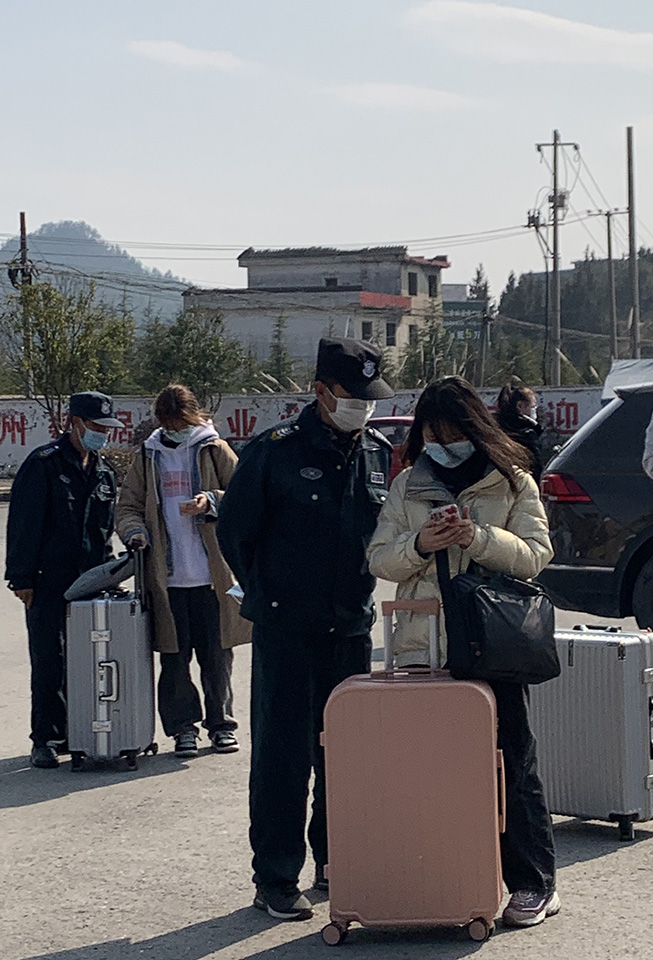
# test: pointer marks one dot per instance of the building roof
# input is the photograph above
(441, 261)
(320, 253)
(253, 291)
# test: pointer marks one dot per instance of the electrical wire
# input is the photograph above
(589, 232)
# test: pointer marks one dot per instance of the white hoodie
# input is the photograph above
(190, 564)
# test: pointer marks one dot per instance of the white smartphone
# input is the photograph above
(184, 506)
(448, 512)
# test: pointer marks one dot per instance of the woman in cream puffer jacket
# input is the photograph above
(458, 454)
(510, 536)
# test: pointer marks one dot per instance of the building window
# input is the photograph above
(367, 329)
(330, 282)
(412, 334)
(433, 285)
(412, 284)
(391, 334)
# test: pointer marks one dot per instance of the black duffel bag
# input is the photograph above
(498, 627)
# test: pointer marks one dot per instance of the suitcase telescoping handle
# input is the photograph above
(429, 607)
(139, 576)
(501, 774)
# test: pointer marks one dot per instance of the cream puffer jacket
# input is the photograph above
(512, 536)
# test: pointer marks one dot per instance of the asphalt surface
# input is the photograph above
(111, 865)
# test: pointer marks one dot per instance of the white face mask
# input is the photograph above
(350, 414)
(450, 454)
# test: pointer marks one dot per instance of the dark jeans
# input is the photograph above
(196, 613)
(292, 677)
(46, 628)
(527, 851)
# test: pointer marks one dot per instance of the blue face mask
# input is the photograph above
(178, 436)
(93, 440)
(450, 454)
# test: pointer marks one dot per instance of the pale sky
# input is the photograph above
(297, 123)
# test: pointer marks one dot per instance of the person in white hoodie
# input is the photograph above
(168, 506)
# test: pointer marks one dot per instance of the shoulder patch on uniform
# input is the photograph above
(377, 435)
(48, 451)
(281, 433)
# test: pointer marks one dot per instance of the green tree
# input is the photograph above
(279, 365)
(193, 350)
(58, 342)
(479, 288)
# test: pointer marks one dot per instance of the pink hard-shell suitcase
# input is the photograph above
(415, 790)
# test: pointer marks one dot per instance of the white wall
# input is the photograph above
(378, 277)
(24, 425)
(250, 317)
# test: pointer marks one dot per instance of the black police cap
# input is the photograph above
(355, 365)
(94, 406)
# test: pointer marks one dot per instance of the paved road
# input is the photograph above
(108, 865)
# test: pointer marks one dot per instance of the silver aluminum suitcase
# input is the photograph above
(593, 726)
(110, 677)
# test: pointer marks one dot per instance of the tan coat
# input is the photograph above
(138, 510)
(512, 536)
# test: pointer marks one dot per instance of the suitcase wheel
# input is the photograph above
(480, 930)
(626, 829)
(130, 756)
(153, 749)
(76, 761)
(334, 933)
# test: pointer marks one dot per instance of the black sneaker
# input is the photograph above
(283, 904)
(321, 882)
(224, 741)
(44, 757)
(186, 744)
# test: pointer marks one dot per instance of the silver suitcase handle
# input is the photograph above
(108, 669)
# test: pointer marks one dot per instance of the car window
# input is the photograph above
(613, 440)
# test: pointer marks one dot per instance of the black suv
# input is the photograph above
(600, 507)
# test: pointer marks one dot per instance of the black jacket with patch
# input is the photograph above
(60, 516)
(295, 523)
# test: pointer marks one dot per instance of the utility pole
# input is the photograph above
(485, 343)
(635, 345)
(556, 337)
(25, 270)
(558, 201)
(614, 344)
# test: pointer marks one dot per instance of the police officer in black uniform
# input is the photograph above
(294, 525)
(60, 524)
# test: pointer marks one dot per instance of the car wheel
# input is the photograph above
(643, 596)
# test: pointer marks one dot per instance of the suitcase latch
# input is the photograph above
(649, 782)
(100, 636)
(101, 726)
(647, 675)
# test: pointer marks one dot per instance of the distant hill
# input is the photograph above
(75, 249)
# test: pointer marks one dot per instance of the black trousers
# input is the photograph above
(196, 613)
(292, 677)
(527, 850)
(46, 630)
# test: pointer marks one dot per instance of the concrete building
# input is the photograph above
(378, 293)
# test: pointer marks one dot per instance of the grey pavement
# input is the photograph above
(111, 865)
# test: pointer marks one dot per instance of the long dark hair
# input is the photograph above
(454, 401)
(509, 396)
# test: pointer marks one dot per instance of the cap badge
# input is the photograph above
(369, 368)
(106, 408)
